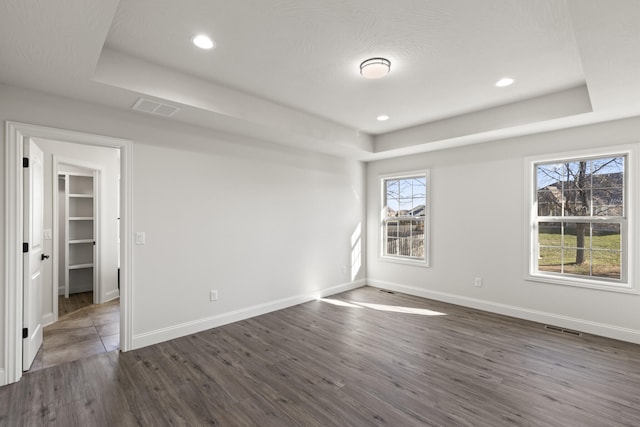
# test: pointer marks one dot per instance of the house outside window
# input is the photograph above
(405, 218)
(581, 232)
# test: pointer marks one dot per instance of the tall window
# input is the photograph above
(404, 213)
(580, 220)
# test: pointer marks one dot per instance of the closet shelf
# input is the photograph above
(79, 232)
(79, 266)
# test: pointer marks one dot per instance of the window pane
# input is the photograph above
(578, 175)
(577, 235)
(549, 202)
(392, 189)
(606, 264)
(583, 249)
(577, 261)
(608, 169)
(391, 228)
(406, 207)
(550, 234)
(550, 259)
(405, 238)
(576, 202)
(550, 175)
(608, 202)
(607, 236)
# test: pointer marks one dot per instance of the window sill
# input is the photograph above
(582, 283)
(405, 261)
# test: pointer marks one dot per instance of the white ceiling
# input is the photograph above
(287, 70)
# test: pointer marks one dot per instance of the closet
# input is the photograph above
(77, 197)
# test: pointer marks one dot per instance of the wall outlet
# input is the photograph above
(477, 282)
(344, 269)
(213, 295)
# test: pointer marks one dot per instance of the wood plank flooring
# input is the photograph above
(361, 358)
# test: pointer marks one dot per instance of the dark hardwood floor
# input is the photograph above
(361, 358)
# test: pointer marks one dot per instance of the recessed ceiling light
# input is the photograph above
(382, 117)
(504, 82)
(203, 41)
(374, 68)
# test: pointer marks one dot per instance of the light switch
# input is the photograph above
(140, 237)
(46, 234)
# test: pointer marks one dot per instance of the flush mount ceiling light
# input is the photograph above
(504, 82)
(383, 118)
(375, 68)
(203, 41)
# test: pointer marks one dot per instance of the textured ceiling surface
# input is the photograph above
(446, 55)
(286, 71)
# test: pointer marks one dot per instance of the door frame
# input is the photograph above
(15, 132)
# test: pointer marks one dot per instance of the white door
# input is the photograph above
(33, 258)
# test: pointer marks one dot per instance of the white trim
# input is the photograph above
(13, 255)
(427, 220)
(14, 134)
(48, 318)
(629, 282)
(192, 327)
(2, 377)
(587, 326)
(111, 295)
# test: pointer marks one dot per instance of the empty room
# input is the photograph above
(320, 213)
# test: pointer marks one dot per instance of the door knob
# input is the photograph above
(43, 257)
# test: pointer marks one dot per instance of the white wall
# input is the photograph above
(478, 230)
(107, 160)
(265, 225)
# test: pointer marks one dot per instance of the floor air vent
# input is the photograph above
(154, 107)
(563, 330)
(387, 291)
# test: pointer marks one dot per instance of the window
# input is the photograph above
(404, 218)
(580, 220)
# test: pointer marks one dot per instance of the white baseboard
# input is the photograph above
(3, 377)
(47, 319)
(111, 295)
(595, 328)
(187, 328)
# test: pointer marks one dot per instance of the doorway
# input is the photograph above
(81, 219)
(16, 134)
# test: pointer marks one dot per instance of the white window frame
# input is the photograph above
(628, 283)
(427, 219)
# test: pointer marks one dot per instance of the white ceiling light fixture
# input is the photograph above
(382, 118)
(203, 41)
(374, 68)
(504, 82)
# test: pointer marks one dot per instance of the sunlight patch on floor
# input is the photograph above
(383, 307)
(338, 302)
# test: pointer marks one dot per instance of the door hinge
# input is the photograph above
(25, 333)
(25, 247)
(25, 162)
